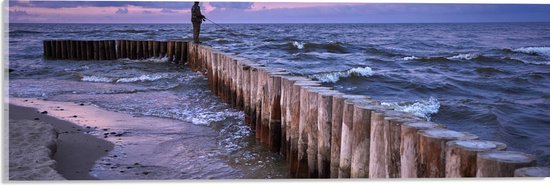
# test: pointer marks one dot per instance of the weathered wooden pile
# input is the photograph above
(174, 50)
(324, 133)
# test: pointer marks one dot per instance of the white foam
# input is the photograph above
(152, 59)
(333, 77)
(468, 56)
(299, 45)
(420, 108)
(96, 79)
(410, 58)
(143, 78)
(534, 50)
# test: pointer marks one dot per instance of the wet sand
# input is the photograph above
(98, 144)
(76, 152)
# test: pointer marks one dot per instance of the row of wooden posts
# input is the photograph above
(327, 134)
(324, 133)
(174, 50)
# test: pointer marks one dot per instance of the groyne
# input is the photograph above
(321, 132)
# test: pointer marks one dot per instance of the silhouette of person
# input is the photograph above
(196, 18)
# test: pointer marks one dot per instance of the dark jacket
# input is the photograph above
(196, 15)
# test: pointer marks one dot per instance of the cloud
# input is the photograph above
(122, 11)
(164, 10)
(231, 5)
(146, 12)
(18, 13)
(119, 4)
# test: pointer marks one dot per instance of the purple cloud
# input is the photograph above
(18, 13)
(164, 10)
(122, 11)
(228, 5)
(146, 12)
(120, 4)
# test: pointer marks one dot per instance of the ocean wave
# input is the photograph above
(468, 56)
(420, 108)
(24, 31)
(333, 77)
(132, 31)
(152, 59)
(298, 45)
(534, 50)
(96, 79)
(410, 58)
(143, 78)
(332, 47)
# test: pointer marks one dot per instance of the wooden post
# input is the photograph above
(311, 130)
(96, 50)
(432, 150)
(144, 51)
(70, 49)
(344, 171)
(101, 50)
(377, 162)
(56, 49)
(183, 57)
(502, 163)
(76, 50)
(123, 50)
(130, 50)
(163, 46)
(107, 48)
(63, 49)
(360, 140)
(170, 50)
(89, 50)
(177, 52)
(336, 131)
(47, 50)
(113, 50)
(286, 93)
(275, 113)
(298, 160)
(324, 125)
(410, 146)
(461, 156)
(392, 138)
(82, 50)
(532, 172)
(150, 51)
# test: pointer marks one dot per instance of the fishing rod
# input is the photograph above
(218, 25)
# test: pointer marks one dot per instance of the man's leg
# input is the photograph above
(196, 29)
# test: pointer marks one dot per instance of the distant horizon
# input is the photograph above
(152, 12)
(289, 23)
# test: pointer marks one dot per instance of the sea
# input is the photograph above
(489, 79)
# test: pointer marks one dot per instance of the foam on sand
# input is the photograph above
(31, 146)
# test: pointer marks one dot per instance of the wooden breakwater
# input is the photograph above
(321, 132)
(174, 50)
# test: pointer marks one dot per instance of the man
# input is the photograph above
(196, 19)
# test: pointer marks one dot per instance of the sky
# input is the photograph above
(25, 11)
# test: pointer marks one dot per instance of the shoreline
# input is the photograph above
(76, 152)
(98, 144)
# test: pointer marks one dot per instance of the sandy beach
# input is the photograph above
(75, 153)
(95, 143)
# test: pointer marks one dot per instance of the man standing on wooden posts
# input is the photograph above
(196, 18)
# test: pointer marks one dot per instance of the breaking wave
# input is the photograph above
(468, 56)
(420, 108)
(142, 78)
(333, 77)
(332, 47)
(534, 50)
(96, 79)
